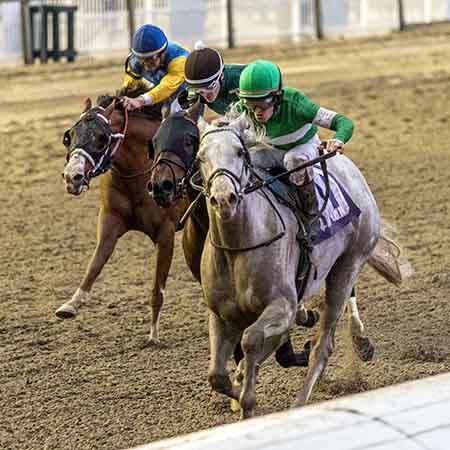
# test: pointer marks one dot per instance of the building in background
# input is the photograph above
(102, 25)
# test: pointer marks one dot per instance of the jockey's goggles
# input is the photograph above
(262, 104)
(206, 89)
(149, 58)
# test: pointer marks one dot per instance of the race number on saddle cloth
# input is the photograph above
(290, 119)
(208, 78)
(160, 62)
(340, 209)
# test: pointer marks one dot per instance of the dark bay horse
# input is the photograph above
(106, 138)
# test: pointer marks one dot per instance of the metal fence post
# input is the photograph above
(27, 50)
(318, 18)
(401, 15)
(131, 21)
(230, 27)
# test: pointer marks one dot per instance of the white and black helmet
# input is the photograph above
(203, 66)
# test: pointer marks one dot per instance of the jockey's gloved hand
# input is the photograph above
(334, 145)
(131, 104)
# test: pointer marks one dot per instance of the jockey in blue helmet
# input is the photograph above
(158, 61)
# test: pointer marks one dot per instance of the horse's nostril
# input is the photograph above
(233, 198)
(78, 177)
(214, 203)
(167, 185)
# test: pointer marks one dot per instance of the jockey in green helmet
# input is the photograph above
(290, 120)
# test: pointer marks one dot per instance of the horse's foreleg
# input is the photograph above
(223, 340)
(339, 285)
(259, 341)
(110, 228)
(362, 345)
(164, 254)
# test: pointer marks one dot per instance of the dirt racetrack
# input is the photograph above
(90, 383)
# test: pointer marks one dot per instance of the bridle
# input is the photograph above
(257, 185)
(99, 159)
(187, 164)
(235, 179)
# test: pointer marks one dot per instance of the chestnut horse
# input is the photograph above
(106, 141)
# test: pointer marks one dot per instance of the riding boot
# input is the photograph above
(310, 208)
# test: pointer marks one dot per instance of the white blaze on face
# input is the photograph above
(220, 152)
(74, 173)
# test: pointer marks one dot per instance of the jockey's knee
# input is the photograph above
(293, 160)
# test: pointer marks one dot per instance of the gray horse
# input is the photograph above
(249, 263)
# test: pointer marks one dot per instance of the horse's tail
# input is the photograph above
(387, 258)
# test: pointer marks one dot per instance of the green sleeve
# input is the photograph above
(308, 108)
(343, 127)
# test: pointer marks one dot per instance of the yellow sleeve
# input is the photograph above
(129, 82)
(170, 82)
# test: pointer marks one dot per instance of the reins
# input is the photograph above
(256, 186)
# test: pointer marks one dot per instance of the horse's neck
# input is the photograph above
(132, 154)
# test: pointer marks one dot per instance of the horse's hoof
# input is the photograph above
(247, 414)
(234, 405)
(363, 348)
(313, 318)
(66, 311)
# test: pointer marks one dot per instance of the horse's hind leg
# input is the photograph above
(110, 228)
(339, 285)
(164, 254)
(223, 340)
(259, 341)
(362, 345)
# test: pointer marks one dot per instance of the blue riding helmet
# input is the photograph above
(149, 40)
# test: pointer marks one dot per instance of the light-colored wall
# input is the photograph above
(101, 25)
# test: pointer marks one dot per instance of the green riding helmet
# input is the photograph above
(260, 79)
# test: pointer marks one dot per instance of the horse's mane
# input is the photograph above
(152, 112)
(250, 132)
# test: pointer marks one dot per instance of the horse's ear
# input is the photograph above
(195, 111)
(87, 104)
(110, 108)
(165, 112)
(240, 124)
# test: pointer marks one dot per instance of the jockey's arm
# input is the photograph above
(326, 118)
(169, 83)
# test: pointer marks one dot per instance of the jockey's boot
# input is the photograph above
(310, 208)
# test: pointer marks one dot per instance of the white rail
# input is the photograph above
(409, 416)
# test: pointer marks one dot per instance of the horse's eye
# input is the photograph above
(102, 140)
(240, 153)
(67, 139)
